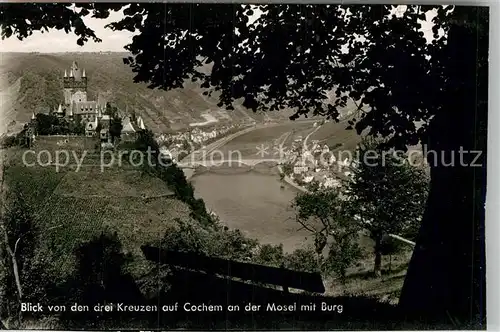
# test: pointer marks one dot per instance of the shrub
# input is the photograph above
(8, 141)
(214, 240)
(269, 254)
(305, 260)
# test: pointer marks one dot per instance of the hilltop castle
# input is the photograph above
(77, 107)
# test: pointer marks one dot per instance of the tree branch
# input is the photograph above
(312, 230)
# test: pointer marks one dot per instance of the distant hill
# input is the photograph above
(33, 82)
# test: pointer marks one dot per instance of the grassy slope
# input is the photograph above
(41, 86)
(83, 204)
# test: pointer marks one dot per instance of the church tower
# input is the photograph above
(75, 85)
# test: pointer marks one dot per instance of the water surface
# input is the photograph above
(253, 202)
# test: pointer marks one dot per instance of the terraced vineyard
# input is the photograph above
(336, 136)
(79, 219)
(36, 183)
(114, 182)
(73, 207)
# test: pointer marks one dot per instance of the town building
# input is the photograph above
(300, 167)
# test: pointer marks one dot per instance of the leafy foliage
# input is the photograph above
(49, 124)
(287, 168)
(327, 217)
(172, 175)
(115, 128)
(392, 73)
(387, 194)
(214, 240)
(265, 59)
(303, 259)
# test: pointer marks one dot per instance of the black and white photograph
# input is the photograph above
(212, 166)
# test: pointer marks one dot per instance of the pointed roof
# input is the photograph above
(71, 73)
(83, 74)
(33, 116)
(140, 123)
(59, 109)
(101, 101)
(128, 127)
(65, 73)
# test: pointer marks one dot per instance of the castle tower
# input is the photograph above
(70, 113)
(75, 86)
(30, 134)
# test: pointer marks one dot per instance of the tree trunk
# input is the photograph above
(15, 269)
(446, 275)
(377, 268)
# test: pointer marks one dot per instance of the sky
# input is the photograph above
(59, 41)
(112, 41)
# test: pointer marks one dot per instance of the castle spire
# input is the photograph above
(71, 73)
(33, 116)
(65, 73)
(59, 109)
(140, 123)
(83, 75)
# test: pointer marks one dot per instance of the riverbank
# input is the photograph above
(290, 181)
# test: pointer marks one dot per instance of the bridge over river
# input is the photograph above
(230, 163)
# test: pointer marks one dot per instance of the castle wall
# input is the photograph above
(71, 143)
(71, 95)
(72, 83)
(79, 96)
(75, 89)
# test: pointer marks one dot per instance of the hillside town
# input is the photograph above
(177, 145)
(316, 164)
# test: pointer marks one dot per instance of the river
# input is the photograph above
(253, 202)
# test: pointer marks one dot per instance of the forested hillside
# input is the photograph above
(40, 79)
